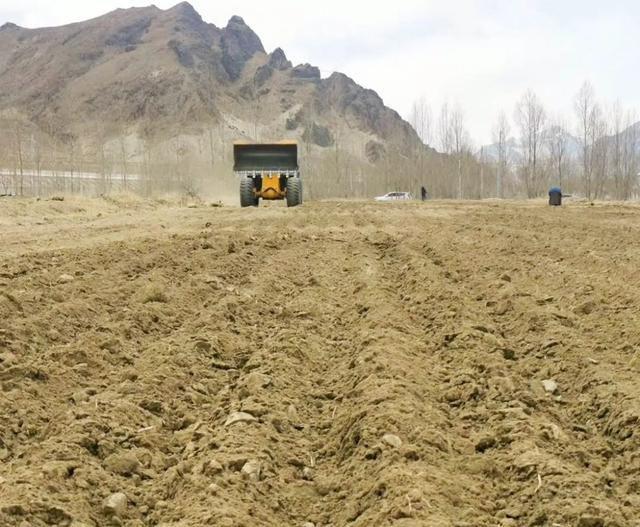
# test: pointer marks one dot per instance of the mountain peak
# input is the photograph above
(185, 10)
(184, 7)
(278, 60)
(8, 26)
(239, 44)
(237, 21)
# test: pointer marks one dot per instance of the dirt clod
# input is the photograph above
(587, 520)
(123, 464)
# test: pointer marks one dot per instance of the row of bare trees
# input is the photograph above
(37, 162)
(609, 147)
(451, 169)
(597, 156)
(595, 153)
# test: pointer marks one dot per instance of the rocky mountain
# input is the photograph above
(158, 77)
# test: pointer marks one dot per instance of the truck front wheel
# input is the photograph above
(248, 196)
(294, 192)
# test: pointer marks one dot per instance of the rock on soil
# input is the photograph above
(392, 440)
(252, 470)
(239, 417)
(115, 504)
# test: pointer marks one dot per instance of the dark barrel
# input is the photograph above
(265, 157)
(555, 197)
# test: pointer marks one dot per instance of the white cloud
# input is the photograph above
(483, 54)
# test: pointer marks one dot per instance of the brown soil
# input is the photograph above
(389, 361)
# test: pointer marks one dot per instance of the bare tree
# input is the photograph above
(617, 120)
(6, 179)
(600, 152)
(445, 130)
(501, 132)
(147, 158)
(72, 145)
(558, 145)
(460, 142)
(453, 139)
(19, 149)
(585, 109)
(530, 116)
(630, 155)
(421, 120)
(482, 161)
(36, 140)
(337, 157)
(122, 141)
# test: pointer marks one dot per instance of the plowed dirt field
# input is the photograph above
(339, 364)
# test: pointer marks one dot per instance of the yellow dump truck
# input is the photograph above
(268, 171)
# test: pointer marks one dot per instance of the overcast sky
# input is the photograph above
(482, 54)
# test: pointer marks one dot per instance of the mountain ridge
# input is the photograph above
(153, 74)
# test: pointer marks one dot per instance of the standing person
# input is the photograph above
(423, 193)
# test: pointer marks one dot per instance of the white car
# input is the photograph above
(395, 196)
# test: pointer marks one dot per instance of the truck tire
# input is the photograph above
(247, 195)
(294, 192)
